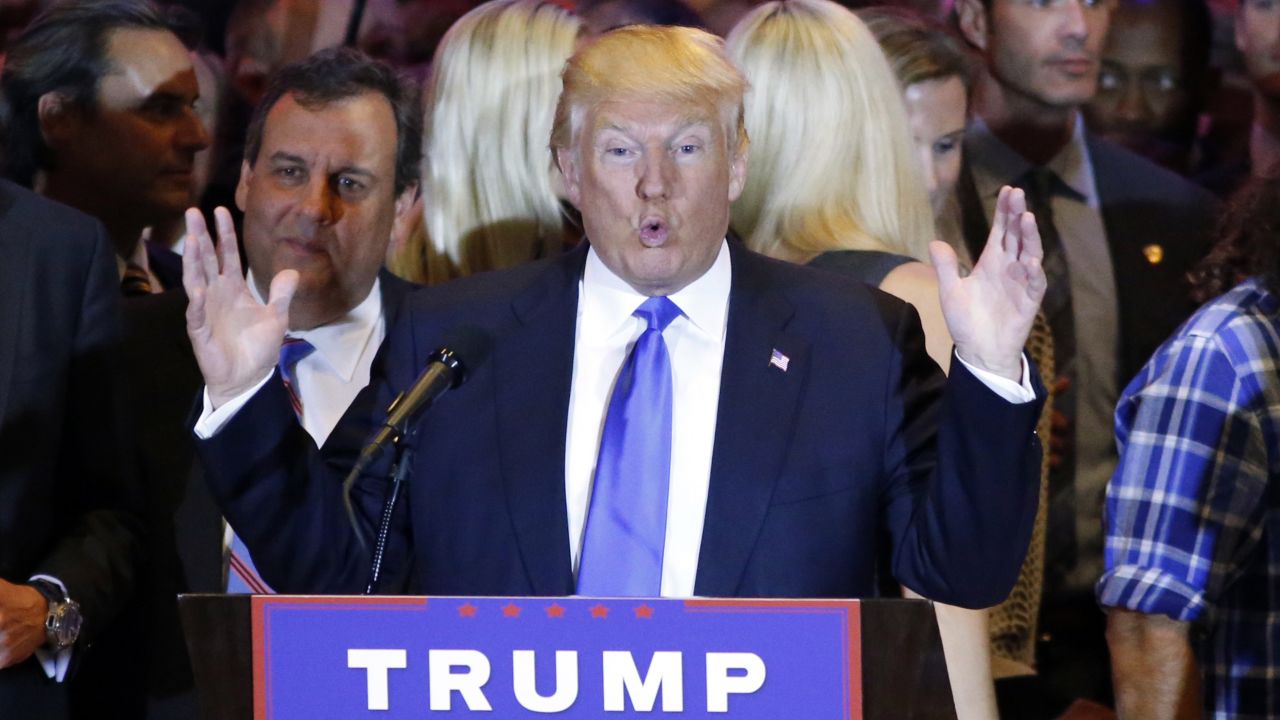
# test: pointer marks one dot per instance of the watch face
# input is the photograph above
(64, 625)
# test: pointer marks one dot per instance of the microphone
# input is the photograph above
(465, 349)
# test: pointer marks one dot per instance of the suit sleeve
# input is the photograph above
(962, 480)
(283, 496)
(96, 557)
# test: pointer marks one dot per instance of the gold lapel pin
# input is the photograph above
(1154, 253)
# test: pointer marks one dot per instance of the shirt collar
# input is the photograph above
(607, 302)
(995, 164)
(340, 344)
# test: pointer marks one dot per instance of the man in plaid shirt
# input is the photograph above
(1192, 581)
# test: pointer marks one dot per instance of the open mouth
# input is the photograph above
(653, 232)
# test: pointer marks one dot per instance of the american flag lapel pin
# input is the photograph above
(779, 360)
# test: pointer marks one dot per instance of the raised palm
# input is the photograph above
(989, 313)
(235, 337)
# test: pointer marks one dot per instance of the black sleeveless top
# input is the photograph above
(869, 266)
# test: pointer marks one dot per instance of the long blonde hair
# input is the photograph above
(832, 164)
(489, 199)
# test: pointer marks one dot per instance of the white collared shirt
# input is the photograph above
(330, 378)
(606, 331)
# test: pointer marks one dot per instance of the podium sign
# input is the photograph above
(511, 658)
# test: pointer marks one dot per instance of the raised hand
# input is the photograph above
(989, 313)
(235, 337)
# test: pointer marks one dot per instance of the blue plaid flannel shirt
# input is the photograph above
(1193, 510)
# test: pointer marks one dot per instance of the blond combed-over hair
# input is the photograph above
(833, 164)
(678, 65)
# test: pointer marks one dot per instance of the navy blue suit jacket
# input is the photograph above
(140, 667)
(860, 441)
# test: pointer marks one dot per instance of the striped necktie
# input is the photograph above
(135, 282)
(242, 576)
(292, 351)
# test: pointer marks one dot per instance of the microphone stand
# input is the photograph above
(401, 469)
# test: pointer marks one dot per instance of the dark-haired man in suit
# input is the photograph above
(331, 164)
(100, 106)
(1119, 235)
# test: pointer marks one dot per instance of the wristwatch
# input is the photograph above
(62, 624)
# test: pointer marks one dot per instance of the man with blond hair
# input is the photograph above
(665, 413)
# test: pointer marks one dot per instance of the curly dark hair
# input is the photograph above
(336, 74)
(1248, 242)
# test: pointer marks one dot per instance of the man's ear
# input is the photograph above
(406, 199)
(737, 175)
(57, 116)
(242, 186)
(972, 16)
(566, 160)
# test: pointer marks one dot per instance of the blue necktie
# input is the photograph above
(627, 520)
(242, 576)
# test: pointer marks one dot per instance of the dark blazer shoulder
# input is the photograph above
(1124, 175)
(61, 228)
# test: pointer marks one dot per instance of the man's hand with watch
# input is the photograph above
(33, 615)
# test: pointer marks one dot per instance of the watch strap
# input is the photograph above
(51, 591)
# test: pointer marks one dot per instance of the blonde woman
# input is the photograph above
(489, 185)
(834, 183)
(833, 180)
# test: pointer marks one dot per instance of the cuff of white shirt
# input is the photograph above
(1010, 391)
(211, 421)
(55, 664)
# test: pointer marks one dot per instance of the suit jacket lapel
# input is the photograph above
(533, 370)
(757, 402)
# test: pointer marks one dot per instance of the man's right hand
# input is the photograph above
(236, 339)
(22, 615)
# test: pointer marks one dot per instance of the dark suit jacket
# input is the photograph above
(1143, 204)
(810, 466)
(143, 670)
(69, 504)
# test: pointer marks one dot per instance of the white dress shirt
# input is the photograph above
(606, 331)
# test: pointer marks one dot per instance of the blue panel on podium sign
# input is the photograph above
(515, 658)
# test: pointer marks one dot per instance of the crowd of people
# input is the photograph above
(972, 301)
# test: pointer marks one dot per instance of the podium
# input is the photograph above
(276, 657)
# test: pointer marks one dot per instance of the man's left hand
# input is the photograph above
(989, 313)
(22, 614)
